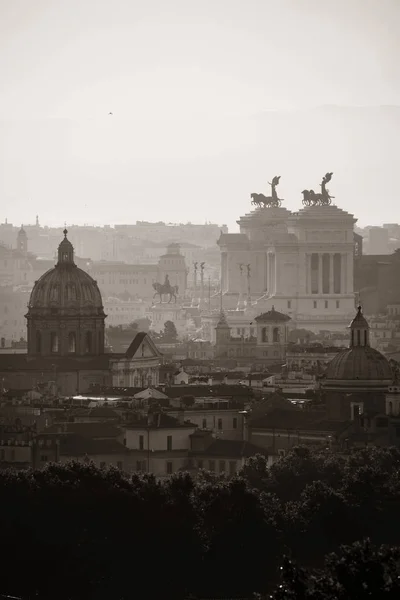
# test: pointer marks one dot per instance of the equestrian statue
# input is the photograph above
(310, 198)
(268, 201)
(165, 288)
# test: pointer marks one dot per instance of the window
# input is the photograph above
(54, 342)
(139, 465)
(141, 442)
(211, 465)
(337, 303)
(222, 467)
(315, 304)
(264, 335)
(200, 464)
(220, 424)
(326, 303)
(169, 442)
(232, 467)
(44, 458)
(275, 335)
(390, 411)
(169, 467)
(88, 342)
(204, 424)
(119, 465)
(234, 423)
(289, 304)
(102, 465)
(72, 342)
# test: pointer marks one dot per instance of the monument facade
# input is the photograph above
(300, 262)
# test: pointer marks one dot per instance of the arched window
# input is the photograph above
(54, 293)
(264, 335)
(72, 342)
(88, 342)
(365, 337)
(358, 337)
(70, 291)
(275, 334)
(54, 342)
(38, 342)
(390, 408)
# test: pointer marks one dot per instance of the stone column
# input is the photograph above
(320, 278)
(331, 280)
(308, 273)
(267, 278)
(342, 273)
(350, 273)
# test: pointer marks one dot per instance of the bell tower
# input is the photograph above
(22, 241)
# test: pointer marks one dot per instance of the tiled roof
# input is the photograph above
(296, 420)
(21, 362)
(202, 391)
(272, 316)
(89, 430)
(232, 449)
(137, 340)
(135, 343)
(98, 412)
(161, 421)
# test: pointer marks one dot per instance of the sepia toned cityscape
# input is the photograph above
(199, 300)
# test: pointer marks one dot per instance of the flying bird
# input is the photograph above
(110, 113)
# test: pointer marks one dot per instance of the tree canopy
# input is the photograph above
(76, 531)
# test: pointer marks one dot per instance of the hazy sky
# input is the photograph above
(190, 84)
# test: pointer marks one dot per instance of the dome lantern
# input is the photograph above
(65, 251)
(359, 330)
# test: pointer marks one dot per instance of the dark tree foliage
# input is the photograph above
(78, 532)
(360, 571)
(170, 334)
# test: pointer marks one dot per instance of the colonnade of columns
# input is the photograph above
(327, 273)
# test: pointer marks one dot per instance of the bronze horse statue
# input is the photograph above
(270, 201)
(165, 289)
(310, 198)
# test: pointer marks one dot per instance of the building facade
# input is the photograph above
(302, 262)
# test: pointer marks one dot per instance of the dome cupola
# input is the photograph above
(359, 362)
(65, 310)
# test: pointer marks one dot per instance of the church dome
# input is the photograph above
(65, 288)
(359, 361)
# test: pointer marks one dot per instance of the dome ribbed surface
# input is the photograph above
(66, 287)
(360, 362)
